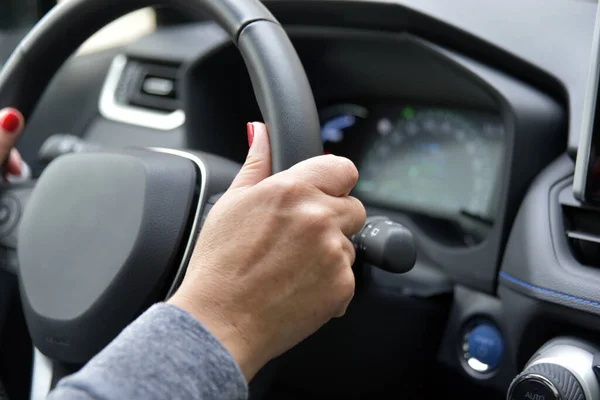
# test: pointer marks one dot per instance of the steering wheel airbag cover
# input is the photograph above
(97, 238)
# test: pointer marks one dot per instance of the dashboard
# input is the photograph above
(446, 144)
(462, 131)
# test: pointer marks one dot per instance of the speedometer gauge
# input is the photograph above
(437, 161)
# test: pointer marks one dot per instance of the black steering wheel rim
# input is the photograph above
(280, 84)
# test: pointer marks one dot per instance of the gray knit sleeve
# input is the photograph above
(164, 354)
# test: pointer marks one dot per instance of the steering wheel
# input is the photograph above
(107, 234)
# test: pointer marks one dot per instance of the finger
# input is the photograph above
(258, 162)
(335, 176)
(11, 126)
(350, 251)
(348, 283)
(350, 213)
(14, 164)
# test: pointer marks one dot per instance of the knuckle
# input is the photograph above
(347, 285)
(335, 249)
(339, 254)
(360, 213)
(351, 251)
(345, 292)
(287, 187)
(287, 184)
(349, 170)
(317, 217)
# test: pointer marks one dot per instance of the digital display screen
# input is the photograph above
(437, 161)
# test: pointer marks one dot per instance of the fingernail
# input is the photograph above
(250, 129)
(10, 121)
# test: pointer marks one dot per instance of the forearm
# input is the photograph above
(165, 353)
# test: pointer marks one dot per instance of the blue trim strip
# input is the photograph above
(548, 291)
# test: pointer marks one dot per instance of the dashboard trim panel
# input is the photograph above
(112, 110)
(538, 254)
(506, 276)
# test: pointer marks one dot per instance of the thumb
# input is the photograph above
(258, 162)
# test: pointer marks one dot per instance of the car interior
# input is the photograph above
(471, 123)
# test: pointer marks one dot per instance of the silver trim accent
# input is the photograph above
(110, 109)
(41, 377)
(589, 111)
(577, 358)
(189, 248)
(536, 378)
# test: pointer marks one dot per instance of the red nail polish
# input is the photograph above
(250, 129)
(10, 121)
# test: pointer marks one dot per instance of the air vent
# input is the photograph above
(582, 228)
(144, 93)
(149, 85)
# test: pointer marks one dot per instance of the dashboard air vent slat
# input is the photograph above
(582, 228)
(583, 236)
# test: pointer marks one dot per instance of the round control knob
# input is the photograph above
(562, 369)
(546, 382)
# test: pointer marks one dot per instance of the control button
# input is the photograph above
(534, 388)
(483, 347)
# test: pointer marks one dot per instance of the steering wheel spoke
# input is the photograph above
(41, 376)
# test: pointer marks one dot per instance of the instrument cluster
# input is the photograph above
(444, 163)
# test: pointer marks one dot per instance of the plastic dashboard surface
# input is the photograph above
(538, 261)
